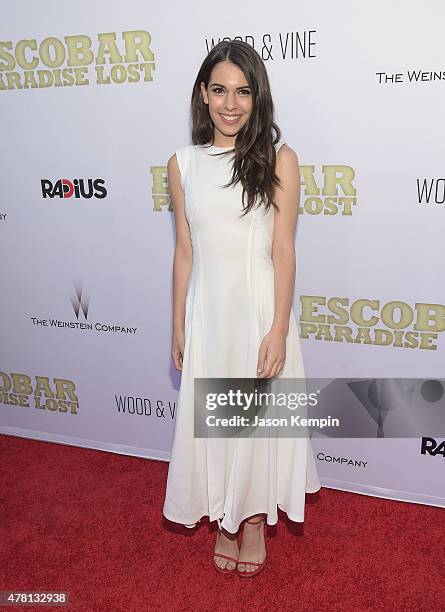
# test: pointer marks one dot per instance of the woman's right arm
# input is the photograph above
(182, 261)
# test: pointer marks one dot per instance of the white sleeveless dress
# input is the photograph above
(229, 309)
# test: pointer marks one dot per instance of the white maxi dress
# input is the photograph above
(229, 309)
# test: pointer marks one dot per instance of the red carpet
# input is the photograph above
(90, 523)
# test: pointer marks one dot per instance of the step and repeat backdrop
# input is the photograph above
(94, 99)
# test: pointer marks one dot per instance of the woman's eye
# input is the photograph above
(243, 91)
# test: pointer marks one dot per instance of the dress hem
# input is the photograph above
(292, 517)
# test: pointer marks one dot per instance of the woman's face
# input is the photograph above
(229, 98)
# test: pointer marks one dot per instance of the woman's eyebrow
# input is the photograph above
(241, 86)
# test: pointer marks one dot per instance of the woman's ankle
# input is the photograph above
(228, 535)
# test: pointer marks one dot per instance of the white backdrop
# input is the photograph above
(99, 93)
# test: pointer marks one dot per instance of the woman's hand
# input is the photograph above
(178, 348)
(272, 354)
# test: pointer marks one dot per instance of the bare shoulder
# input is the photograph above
(287, 165)
(173, 169)
(174, 176)
(287, 156)
(172, 163)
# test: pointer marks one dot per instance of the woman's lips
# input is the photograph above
(229, 121)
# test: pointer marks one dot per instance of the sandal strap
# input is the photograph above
(225, 557)
(251, 562)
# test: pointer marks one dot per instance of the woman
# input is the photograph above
(235, 195)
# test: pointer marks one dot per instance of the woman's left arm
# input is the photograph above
(287, 197)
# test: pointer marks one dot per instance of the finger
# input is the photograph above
(274, 369)
(269, 367)
(177, 360)
(262, 357)
(265, 368)
(278, 369)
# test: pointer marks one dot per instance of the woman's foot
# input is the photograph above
(253, 547)
(226, 544)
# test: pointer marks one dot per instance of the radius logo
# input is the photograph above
(76, 188)
(433, 447)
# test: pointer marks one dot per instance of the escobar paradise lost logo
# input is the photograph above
(21, 390)
(52, 62)
(334, 193)
(368, 321)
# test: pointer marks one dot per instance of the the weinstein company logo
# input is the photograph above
(80, 304)
(76, 188)
(410, 76)
(431, 191)
(321, 456)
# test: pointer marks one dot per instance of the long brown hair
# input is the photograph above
(254, 152)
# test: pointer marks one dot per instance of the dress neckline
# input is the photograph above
(208, 147)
